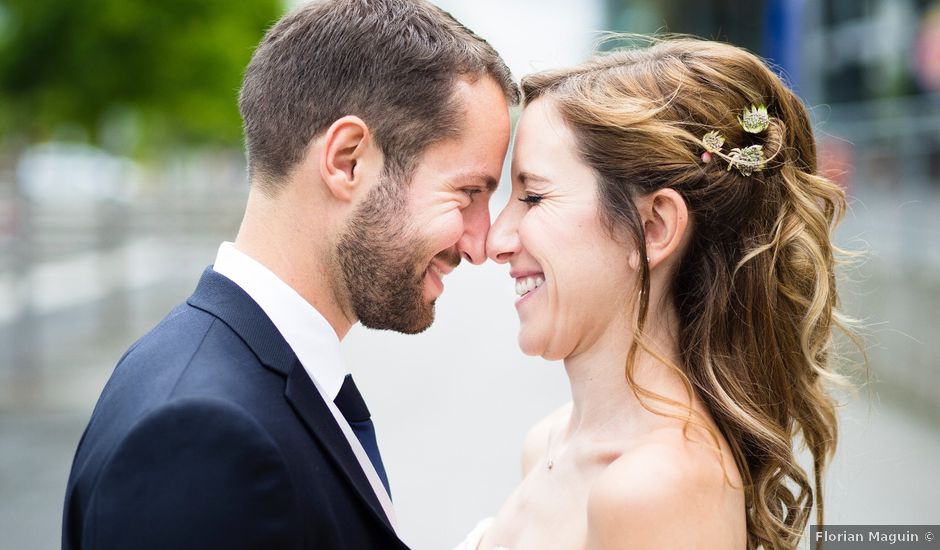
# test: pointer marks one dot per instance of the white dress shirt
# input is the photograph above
(309, 335)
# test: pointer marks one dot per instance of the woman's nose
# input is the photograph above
(503, 240)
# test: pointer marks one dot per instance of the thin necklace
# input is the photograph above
(548, 451)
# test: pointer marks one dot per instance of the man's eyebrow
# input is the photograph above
(528, 176)
(488, 180)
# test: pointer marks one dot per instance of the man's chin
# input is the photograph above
(414, 330)
(415, 323)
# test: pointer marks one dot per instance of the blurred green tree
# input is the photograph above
(129, 75)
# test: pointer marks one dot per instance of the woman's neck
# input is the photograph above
(603, 403)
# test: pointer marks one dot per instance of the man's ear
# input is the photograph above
(665, 223)
(344, 146)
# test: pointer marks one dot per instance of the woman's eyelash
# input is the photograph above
(531, 198)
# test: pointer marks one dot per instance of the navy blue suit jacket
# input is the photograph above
(210, 434)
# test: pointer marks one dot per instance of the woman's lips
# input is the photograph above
(528, 284)
(527, 296)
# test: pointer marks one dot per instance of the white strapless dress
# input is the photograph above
(472, 542)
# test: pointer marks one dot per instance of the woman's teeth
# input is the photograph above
(524, 285)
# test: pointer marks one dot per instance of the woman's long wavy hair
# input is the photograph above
(755, 291)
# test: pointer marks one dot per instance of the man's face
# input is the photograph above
(405, 236)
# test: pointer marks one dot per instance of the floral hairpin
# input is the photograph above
(755, 119)
(713, 141)
(746, 159)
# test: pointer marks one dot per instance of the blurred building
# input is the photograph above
(870, 68)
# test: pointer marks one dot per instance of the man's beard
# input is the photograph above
(380, 260)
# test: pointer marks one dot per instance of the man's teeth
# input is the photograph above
(524, 285)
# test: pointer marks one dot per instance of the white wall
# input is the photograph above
(532, 35)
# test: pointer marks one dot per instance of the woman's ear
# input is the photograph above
(344, 147)
(665, 224)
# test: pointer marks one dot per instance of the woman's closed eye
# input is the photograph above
(531, 198)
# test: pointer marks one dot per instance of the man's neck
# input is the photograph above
(284, 242)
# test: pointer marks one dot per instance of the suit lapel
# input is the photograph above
(309, 405)
(219, 296)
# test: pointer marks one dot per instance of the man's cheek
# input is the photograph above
(445, 231)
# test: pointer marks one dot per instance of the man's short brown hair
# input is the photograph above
(393, 63)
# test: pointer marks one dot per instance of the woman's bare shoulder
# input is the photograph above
(535, 444)
(663, 493)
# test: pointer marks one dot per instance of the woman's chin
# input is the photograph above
(530, 344)
(536, 345)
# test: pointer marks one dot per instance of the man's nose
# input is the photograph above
(472, 244)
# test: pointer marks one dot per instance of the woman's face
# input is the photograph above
(572, 279)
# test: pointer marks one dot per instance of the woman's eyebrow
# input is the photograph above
(529, 176)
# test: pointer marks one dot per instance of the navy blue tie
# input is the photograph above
(349, 402)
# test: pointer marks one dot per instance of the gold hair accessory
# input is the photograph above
(755, 119)
(713, 141)
(746, 159)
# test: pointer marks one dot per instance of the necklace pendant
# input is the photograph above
(550, 464)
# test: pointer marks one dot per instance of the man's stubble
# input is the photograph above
(380, 263)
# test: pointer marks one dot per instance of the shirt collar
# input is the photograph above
(307, 332)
